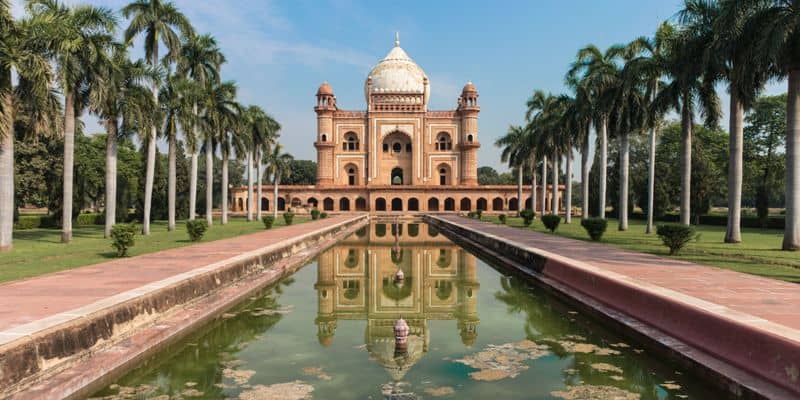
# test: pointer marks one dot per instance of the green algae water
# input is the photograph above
(328, 332)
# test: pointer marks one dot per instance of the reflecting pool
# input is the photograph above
(328, 332)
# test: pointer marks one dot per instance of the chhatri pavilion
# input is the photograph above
(397, 155)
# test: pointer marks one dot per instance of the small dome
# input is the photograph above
(469, 88)
(397, 73)
(325, 89)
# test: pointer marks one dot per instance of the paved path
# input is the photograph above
(770, 299)
(33, 299)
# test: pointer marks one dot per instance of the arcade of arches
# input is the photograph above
(397, 155)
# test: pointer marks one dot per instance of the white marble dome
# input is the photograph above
(397, 73)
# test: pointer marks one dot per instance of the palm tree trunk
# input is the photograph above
(624, 168)
(568, 185)
(193, 169)
(151, 156)
(171, 179)
(686, 163)
(734, 232)
(209, 180)
(585, 178)
(276, 182)
(520, 202)
(544, 185)
(259, 180)
(791, 236)
(250, 186)
(603, 133)
(7, 167)
(111, 175)
(554, 200)
(651, 180)
(224, 199)
(69, 152)
(533, 186)
(148, 180)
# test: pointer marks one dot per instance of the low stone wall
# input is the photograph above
(57, 347)
(731, 355)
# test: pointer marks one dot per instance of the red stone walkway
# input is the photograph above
(751, 321)
(53, 295)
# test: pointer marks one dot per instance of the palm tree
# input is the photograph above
(691, 87)
(734, 50)
(233, 141)
(278, 165)
(262, 131)
(78, 39)
(600, 73)
(579, 116)
(177, 98)
(200, 60)
(775, 26)
(157, 20)
(31, 98)
(220, 113)
(515, 152)
(120, 96)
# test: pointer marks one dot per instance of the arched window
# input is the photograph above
(352, 178)
(397, 176)
(408, 147)
(397, 147)
(324, 138)
(386, 147)
(443, 176)
(443, 142)
(469, 138)
(350, 142)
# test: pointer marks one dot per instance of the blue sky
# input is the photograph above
(280, 51)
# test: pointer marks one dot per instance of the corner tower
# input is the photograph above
(468, 108)
(325, 108)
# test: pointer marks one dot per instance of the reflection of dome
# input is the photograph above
(383, 350)
(398, 291)
(325, 340)
(397, 73)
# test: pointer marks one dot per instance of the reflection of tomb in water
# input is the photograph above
(356, 281)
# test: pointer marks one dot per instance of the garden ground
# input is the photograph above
(758, 254)
(40, 251)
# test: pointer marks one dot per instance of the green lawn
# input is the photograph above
(39, 251)
(758, 254)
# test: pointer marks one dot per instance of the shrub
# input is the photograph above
(595, 227)
(675, 236)
(471, 214)
(323, 215)
(551, 221)
(196, 229)
(268, 221)
(90, 219)
(288, 217)
(502, 218)
(122, 238)
(315, 214)
(478, 214)
(527, 216)
(35, 221)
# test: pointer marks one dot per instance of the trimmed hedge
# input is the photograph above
(527, 216)
(551, 221)
(675, 236)
(595, 227)
(748, 221)
(90, 219)
(35, 221)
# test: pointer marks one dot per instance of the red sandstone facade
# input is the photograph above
(396, 155)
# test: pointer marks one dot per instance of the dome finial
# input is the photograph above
(397, 39)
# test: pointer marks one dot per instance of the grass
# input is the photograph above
(40, 251)
(758, 254)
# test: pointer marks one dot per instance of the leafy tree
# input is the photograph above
(764, 139)
(304, 172)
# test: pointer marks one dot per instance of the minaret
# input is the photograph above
(468, 108)
(326, 106)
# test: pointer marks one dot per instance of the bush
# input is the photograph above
(502, 218)
(478, 214)
(196, 229)
(122, 238)
(315, 214)
(595, 227)
(527, 216)
(675, 236)
(288, 217)
(90, 219)
(551, 221)
(35, 221)
(323, 215)
(268, 221)
(471, 214)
